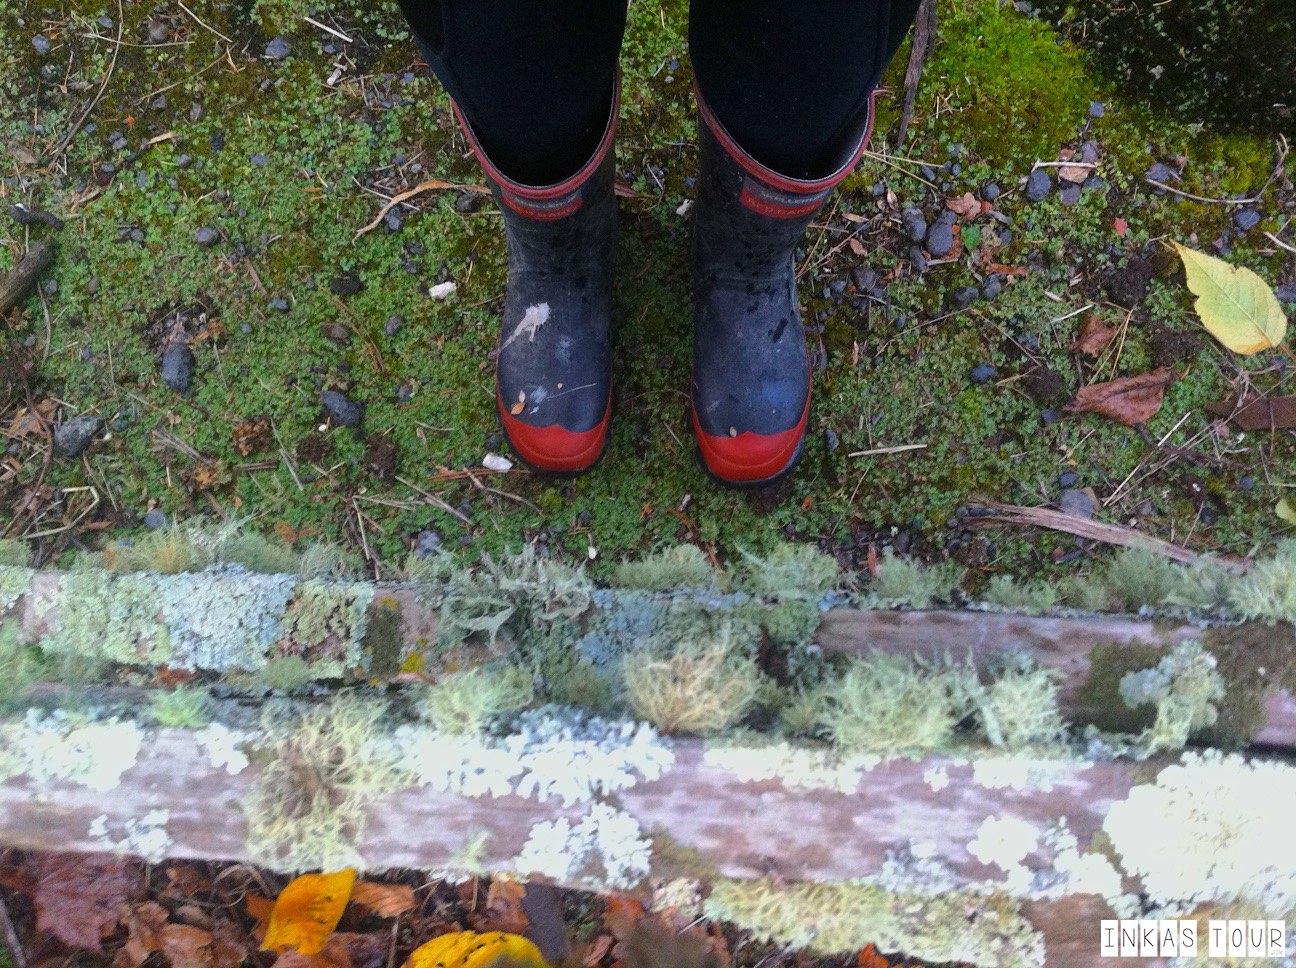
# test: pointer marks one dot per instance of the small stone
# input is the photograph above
(50, 287)
(990, 192)
(918, 259)
(1049, 415)
(427, 543)
(392, 221)
(1286, 294)
(87, 354)
(393, 325)
(1070, 194)
(259, 160)
(468, 202)
(982, 373)
(1076, 502)
(1247, 483)
(915, 225)
(964, 297)
(940, 238)
(340, 408)
(1038, 185)
(178, 367)
(206, 237)
(442, 290)
(1092, 183)
(347, 284)
(1161, 173)
(404, 393)
(73, 437)
(1245, 219)
(155, 519)
(992, 287)
(1068, 479)
(217, 141)
(497, 462)
(1097, 109)
(831, 440)
(245, 328)
(277, 49)
(41, 44)
(158, 31)
(183, 161)
(864, 278)
(279, 303)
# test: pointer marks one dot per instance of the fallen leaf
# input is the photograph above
(1286, 511)
(1120, 226)
(1236, 306)
(504, 908)
(621, 914)
(185, 946)
(857, 247)
(1074, 173)
(384, 900)
(144, 923)
(518, 407)
(260, 909)
(600, 946)
(344, 950)
(79, 898)
(1004, 270)
(468, 949)
(1254, 412)
(1095, 336)
(653, 945)
(307, 911)
(1128, 400)
(966, 205)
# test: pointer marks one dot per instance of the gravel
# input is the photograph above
(940, 237)
(992, 287)
(831, 440)
(1077, 502)
(427, 543)
(982, 373)
(393, 325)
(155, 519)
(990, 192)
(347, 284)
(864, 277)
(73, 437)
(178, 367)
(41, 44)
(1097, 109)
(340, 408)
(277, 49)
(1245, 219)
(1070, 195)
(965, 297)
(915, 225)
(206, 236)
(1038, 185)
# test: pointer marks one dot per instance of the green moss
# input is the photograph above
(18, 668)
(184, 707)
(14, 553)
(787, 571)
(1268, 590)
(285, 672)
(791, 622)
(832, 919)
(905, 581)
(325, 622)
(116, 617)
(14, 582)
(1098, 700)
(681, 566)
(1137, 578)
(1031, 598)
(383, 642)
(1253, 660)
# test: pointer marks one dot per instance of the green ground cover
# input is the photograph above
(288, 158)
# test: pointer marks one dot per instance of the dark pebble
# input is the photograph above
(982, 373)
(1092, 183)
(990, 192)
(50, 287)
(87, 354)
(279, 303)
(915, 225)
(392, 221)
(259, 161)
(340, 408)
(347, 284)
(33, 216)
(277, 49)
(72, 438)
(393, 325)
(964, 297)
(468, 202)
(183, 161)
(1068, 479)
(404, 393)
(217, 141)
(155, 519)
(918, 259)
(1245, 219)
(864, 278)
(1077, 502)
(427, 543)
(1049, 415)
(178, 367)
(1097, 109)
(41, 44)
(1286, 294)
(831, 440)
(1247, 483)
(1070, 195)
(940, 238)
(1161, 173)
(992, 287)
(1038, 185)
(206, 237)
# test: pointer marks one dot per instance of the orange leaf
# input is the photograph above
(504, 908)
(188, 947)
(260, 908)
(468, 949)
(307, 911)
(966, 205)
(1129, 400)
(143, 924)
(621, 914)
(384, 900)
(1094, 337)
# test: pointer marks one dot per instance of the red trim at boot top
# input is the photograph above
(749, 457)
(555, 448)
(772, 178)
(542, 193)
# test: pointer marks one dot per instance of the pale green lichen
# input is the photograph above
(113, 617)
(829, 919)
(463, 703)
(606, 849)
(752, 758)
(287, 673)
(15, 580)
(1185, 688)
(225, 618)
(893, 705)
(1030, 598)
(789, 571)
(320, 770)
(144, 836)
(185, 707)
(18, 668)
(694, 686)
(14, 553)
(1137, 578)
(905, 581)
(325, 622)
(667, 570)
(68, 747)
(195, 546)
(1267, 592)
(1018, 707)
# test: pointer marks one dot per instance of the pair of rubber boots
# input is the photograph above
(750, 396)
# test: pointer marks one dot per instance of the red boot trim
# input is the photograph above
(749, 457)
(767, 176)
(555, 449)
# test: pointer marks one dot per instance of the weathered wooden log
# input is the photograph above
(16, 282)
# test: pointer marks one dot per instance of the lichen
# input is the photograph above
(324, 623)
(829, 919)
(14, 553)
(789, 571)
(1267, 592)
(1184, 686)
(893, 705)
(18, 668)
(667, 570)
(463, 703)
(185, 707)
(286, 673)
(320, 770)
(606, 848)
(1018, 707)
(753, 759)
(1030, 598)
(68, 747)
(224, 618)
(1137, 578)
(905, 581)
(14, 582)
(144, 836)
(116, 617)
(224, 747)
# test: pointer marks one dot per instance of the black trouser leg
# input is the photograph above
(790, 79)
(534, 78)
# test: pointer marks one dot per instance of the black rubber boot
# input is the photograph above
(751, 371)
(553, 359)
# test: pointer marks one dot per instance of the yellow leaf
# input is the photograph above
(468, 949)
(307, 911)
(1286, 511)
(1235, 305)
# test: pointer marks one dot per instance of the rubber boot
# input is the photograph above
(553, 382)
(751, 371)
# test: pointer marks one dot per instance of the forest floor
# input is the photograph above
(215, 170)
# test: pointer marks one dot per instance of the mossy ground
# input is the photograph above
(1001, 92)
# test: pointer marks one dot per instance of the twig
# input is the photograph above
(1115, 534)
(1278, 242)
(496, 491)
(877, 451)
(1202, 198)
(112, 64)
(432, 184)
(200, 23)
(436, 501)
(11, 937)
(924, 39)
(336, 33)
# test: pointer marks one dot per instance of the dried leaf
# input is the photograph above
(144, 923)
(621, 914)
(1129, 400)
(651, 944)
(79, 898)
(1094, 337)
(1235, 305)
(1074, 173)
(307, 911)
(1286, 510)
(857, 247)
(593, 955)
(1254, 412)
(344, 950)
(384, 900)
(520, 405)
(468, 949)
(260, 909)
(967, 205)
(185, 946)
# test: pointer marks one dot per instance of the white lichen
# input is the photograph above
(606, 847)
(61, 747)
(798, 767)
(1024, 772)
(144, 836)
(222, 746)
(225, 618)
(1004, 842)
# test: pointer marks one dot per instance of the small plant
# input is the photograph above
(699, 686)
(803, 712)
(285, 672)
(18, 670)
(463, 703)
(14, 553)
(1138, 578)
(905, 581)
(1025, 597)
(790, 571)
(893, 704)
(682, 566)
(182, 708)
(1268, 591)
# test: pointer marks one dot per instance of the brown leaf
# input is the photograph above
(1074, 173)
(1254, 412)
(593, 955)
(857, 247)
(1094, 337)
(651, 944)
(1129, 400)
(384, 900)
(966, 205)
(504, 908)
(343, 950)
(144, 924)
(250, 436)
(79, 897)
